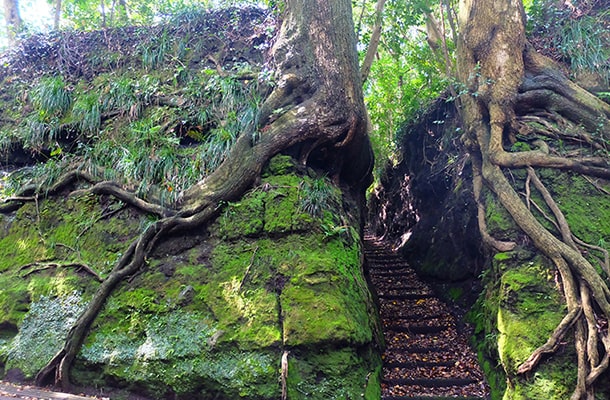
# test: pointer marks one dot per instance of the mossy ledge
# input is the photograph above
(215, 312)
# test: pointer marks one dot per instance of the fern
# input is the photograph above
(51, 98)
(87, 111)
(318, 195)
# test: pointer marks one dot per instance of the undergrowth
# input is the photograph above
(158, 149)
(578, 36)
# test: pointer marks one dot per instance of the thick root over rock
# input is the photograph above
(318, 100)
(530, 87)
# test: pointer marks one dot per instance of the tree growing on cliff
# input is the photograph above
(315, 111)
(509, 86)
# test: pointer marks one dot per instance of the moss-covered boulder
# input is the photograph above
(214, 312)
(518, 311)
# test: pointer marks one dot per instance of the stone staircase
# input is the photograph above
(427, 356)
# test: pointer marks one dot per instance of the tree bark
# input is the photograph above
(57, 15)
(371, 51)
(103, 13)
(12, 19)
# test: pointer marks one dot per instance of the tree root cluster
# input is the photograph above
(317, 105)
(586, 292)
(530, 100)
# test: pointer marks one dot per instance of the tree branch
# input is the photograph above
(371, 51)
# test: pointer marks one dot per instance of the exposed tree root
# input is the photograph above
(548, 124)
(284, 375)
(113, 189)
(31, 193)
(133, 259)
(505, 89)
(494, 243)
(41, 266)
(552, 344)
(315, 101)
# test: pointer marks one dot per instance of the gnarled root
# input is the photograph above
(133, 259)
(199, 204)
(31, 193)
(553, 343)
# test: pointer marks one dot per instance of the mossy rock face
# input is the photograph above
(530, 310)
(333, 374)
(499, 222)
(516, 314)
(40, 297)
(213, 312)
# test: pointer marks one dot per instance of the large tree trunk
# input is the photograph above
(57, 15)
(316, 113)
(317, 109)
(12, 19)
(506, 80)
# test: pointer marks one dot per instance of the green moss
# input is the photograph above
(499, 222)
(324, 306)
(273, 208)
(322, 299)
(54, 231)
(18, 291)
(177, 353)
(323, 296)
(502, 256)
(14, 301)
(165, 349)
(142, 299)
(495, 376)
(279, 165)
(237, 298)
(585, 208)
(530, 309)
(244, 218)
(328, 373)
(512, 318)
(64, 230)
(372, 389)
(22, 244)
(553, 380)
(282, 211)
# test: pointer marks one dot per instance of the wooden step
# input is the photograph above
(431, 382)
(405, 296)
(426, 357)
(415, 329)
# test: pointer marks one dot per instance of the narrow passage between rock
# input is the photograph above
(426, 355)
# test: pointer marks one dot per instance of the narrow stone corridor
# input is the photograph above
(426, 355)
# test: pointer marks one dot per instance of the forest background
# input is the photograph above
(414, 51)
